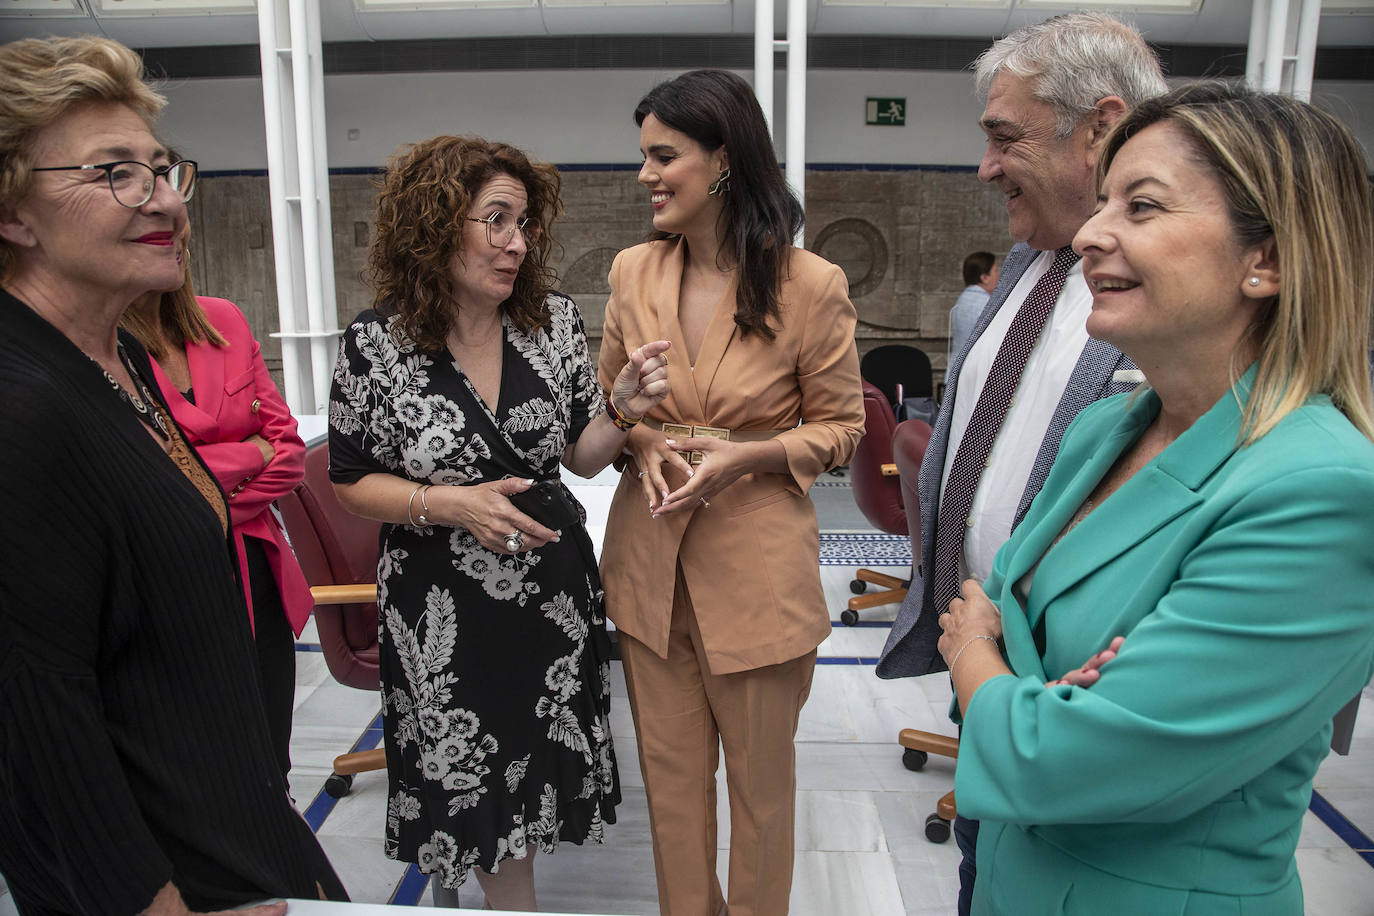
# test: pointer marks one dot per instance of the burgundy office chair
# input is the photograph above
(879, 495)
(909, 448)
(338, 553)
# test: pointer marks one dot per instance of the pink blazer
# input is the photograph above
(235, 398)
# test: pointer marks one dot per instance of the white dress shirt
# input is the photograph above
(1028, 418)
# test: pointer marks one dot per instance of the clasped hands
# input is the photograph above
(660, 458)
(974, 616)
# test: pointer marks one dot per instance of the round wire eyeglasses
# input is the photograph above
(501, 228)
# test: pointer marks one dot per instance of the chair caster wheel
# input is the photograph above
(338, 785)
(849, 618)
(937, 829)
(914, 760)
(858, 586)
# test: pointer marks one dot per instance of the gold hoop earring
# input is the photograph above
(721, 184)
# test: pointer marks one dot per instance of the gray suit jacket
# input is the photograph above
(910, 649)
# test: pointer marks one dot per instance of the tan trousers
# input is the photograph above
(683, 714)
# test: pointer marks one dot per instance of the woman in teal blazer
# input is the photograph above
(1221, 520)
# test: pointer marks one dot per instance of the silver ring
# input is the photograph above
(515, 542)
(704, 503)
(641, 474)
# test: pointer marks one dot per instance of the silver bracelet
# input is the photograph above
(972, 640)
(424, 506)
(410, 506)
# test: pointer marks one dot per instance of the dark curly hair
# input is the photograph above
(421, 201)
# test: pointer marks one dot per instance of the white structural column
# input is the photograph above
(1283, 46)
(298, 184)
(795, 47)
(763, 58)
(796, 104)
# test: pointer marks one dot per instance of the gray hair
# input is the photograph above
(1073, 61)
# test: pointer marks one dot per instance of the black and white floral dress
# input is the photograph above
(494, 668)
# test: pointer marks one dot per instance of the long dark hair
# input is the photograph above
(761, 214)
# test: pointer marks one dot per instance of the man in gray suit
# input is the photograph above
(1053, 92)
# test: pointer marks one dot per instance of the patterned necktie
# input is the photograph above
(953, 521)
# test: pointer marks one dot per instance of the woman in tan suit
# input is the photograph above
(710, 563)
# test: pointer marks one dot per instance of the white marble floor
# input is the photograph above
(860, 842)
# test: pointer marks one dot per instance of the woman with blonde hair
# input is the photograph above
(210, 371)
(138, 773)
(1204, 543)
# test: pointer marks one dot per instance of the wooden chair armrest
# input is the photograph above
(344, 594)
(931, 743)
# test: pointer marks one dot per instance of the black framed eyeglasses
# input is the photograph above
(132, 182)
(501, 228)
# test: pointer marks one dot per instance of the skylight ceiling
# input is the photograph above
(170, 7)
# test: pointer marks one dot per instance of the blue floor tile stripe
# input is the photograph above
(847, 660)
(1340, 825)
(323, 803)
(309, 647)
(410, 888)
(867, 624)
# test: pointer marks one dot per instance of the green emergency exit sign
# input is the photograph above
(885, 112)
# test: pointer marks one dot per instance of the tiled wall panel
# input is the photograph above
(900, 235)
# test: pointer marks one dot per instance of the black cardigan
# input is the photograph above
(133, 746)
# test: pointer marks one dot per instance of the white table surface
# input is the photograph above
(329, 908)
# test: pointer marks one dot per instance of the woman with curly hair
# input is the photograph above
(469, 381)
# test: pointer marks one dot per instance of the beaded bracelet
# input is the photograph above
(971, 641)
(618, 419)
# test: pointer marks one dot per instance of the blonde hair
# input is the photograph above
(41, 79)
(177, 321)
(1294, 174)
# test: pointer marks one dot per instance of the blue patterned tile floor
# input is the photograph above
(871, 549)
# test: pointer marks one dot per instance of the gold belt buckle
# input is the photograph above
(682, 429)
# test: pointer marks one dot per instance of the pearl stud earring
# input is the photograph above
(1254, 281)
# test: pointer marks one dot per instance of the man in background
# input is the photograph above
(980, 279)
(1053, 91)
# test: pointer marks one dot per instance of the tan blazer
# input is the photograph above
(750, 560)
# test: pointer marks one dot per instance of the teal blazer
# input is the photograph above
(1243, 581)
